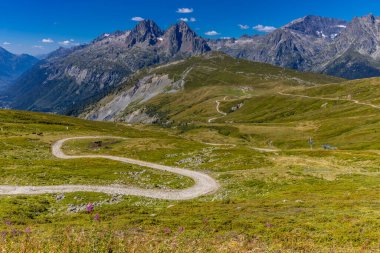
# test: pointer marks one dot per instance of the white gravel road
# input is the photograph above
(204, 184)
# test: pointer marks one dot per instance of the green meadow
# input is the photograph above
(297, 198)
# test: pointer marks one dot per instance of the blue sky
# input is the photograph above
(40, 26)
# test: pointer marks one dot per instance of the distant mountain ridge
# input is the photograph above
(317, 44)
(69, 78)
(12, 66)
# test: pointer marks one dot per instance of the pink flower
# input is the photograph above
(97, 217)
(90, 207)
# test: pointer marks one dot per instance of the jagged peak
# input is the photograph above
(317, 26)
(370, 16)
(146, 24)
(145, 31)
(311, 18)
(181, 38)
(368, 20)
(181, 26)
(182, 23)
(115, 34)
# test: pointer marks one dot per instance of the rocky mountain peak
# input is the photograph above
(183, 25)
(180, 38)
(362, 36)
(145, 31)
(317, 26)
(371, 18)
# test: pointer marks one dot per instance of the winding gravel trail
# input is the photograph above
(204, 184)
(331, 99)
(266, 150)
(218, 110)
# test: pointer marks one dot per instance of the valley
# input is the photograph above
(178, 138)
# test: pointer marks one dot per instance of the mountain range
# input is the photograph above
(69, 79)
(323, 45)
(12, 66)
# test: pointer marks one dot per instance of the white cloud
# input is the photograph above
(188, 19)
(69, 42)
(5, 43)
(264, 28)
(243, 27)
(39, 47)
(137, 19)
(185, 10)
(48, 40)
(212, 33)
(65, 42)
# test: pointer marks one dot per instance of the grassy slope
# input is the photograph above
(257, 86)
(211, 77)
(294, 200)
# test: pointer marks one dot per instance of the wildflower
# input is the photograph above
(4, 234)
(97, 217)
(8, 223)
(268, 225)
(90, 207)
(181, 229)
(167, 231)
(28, 230)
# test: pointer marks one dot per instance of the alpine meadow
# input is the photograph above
(185, 131)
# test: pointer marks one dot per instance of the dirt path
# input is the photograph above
(210, 120)
(265, 150)
(204, 184)
(331, 99)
